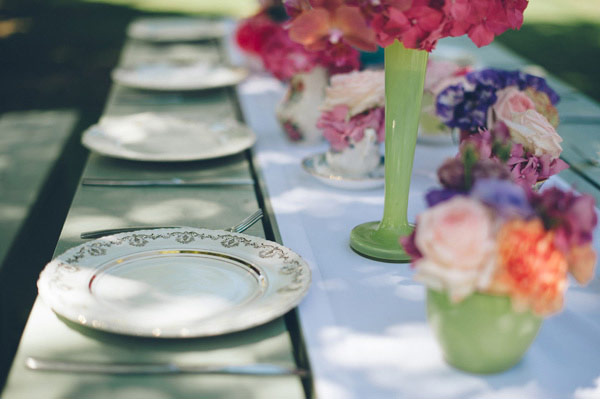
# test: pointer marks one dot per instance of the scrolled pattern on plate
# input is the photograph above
(273, 279)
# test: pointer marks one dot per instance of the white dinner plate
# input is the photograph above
(176, 29)
(177, 76)
(318, 167)
(163, 138)
(180, 282)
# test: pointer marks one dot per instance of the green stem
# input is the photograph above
(404, 79)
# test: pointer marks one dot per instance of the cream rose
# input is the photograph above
(510, 101)
(535, 133)
(359, 90)
(455, 238)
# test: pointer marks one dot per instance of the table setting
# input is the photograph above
(419, 234)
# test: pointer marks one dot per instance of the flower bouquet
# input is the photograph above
(306, 72)
(352, 121)
(408, 30)
(492, 106)
(495, 259)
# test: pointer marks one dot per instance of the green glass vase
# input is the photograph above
(481, 334)
(404, 79)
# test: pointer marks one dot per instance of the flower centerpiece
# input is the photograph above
(495, 259)
(306, 72)
(408, 30)
(352, 121)
(494, 106)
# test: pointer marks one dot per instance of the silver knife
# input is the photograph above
(217, 181)
(255, 369)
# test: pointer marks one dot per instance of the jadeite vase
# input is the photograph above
(404, 79)
(481, 334)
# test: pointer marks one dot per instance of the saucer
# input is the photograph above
(317, 166)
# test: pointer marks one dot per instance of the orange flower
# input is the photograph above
(531, 270)
(328, 23)
(582, 261)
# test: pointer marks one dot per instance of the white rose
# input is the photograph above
(359, 90)
(535, 133)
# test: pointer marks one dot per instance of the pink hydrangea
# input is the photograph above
(418, 24)
(340, 131)
(285, 58)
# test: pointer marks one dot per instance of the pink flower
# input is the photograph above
(418, 25)
(252, 33)
(510, 102)
(482, 20)
(341, 131)
(455, 239)
(285, 58)
(571, 216)
(330, 22)
(528, 169)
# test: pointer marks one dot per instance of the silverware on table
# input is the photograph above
(255, 369)
(242, 226)
(206, 181)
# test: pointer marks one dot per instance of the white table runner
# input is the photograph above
(364, 321)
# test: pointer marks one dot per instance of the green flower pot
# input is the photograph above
(481, 334)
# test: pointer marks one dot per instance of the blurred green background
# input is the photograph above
(59, 53)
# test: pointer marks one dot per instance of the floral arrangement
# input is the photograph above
(353, 121)
(492, 107)
(488, 95)
(484, 233)
(264, 35)
(354, 102)
(418, 24)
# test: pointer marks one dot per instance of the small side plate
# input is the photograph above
(317, 166)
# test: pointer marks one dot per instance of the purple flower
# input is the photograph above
(451, 174)
(506, 197)
(572, 216)
(465, 106)
(435, 196)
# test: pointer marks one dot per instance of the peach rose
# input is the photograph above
(455, 238)
(359, 90)
(510, 101)
(536, 134)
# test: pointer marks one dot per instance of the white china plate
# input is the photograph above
(164, 138)
(317, 166)
(174, 283)
(174, 76)
(176, 29)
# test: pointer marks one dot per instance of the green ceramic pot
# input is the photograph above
(481, 334)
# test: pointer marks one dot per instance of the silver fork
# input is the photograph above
(238, 228)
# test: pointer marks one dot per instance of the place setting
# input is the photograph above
(162, 137)
(174, 282)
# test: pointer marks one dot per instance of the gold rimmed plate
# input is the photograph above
(175, 283)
